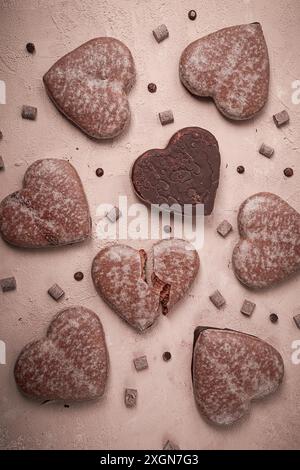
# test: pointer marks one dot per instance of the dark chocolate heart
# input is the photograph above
(185, 172)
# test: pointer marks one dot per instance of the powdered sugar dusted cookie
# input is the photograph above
(70, 363)
(90, 86)
(50, 210)
(269, 248)
(119, 274)
(231, 66)
(230, 369)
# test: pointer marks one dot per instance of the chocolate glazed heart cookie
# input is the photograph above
(70, 363)
(230, 369)
(269, 248)
(231, 66)
(50, 210)
(185, 172)
(119, 274)
(90, 86)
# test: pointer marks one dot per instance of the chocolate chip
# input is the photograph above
(167, 229)
(169, 445)
(281, 118)
(152, 87)
(140, 363)
(166, 117)
(217, 299)
(1, 135)
(297, 320)
(192, 15)
(273, 317)
(160, 33)
(7, 284)
(67, 406)
(240, 169)
(130, 397)
(77, 148)
(56, 292)
(29, 112)
(224, 228)
(114, 214)
(166, 356)
(99, 172)
(266, 151)
(78, 276)
(30, 47)
(288, 172)
(247, 308)
(1, 163)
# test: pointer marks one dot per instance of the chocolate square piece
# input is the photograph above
(169, 445)
(217, 299)
(29, 112)
(114, 214)
(8, 284)
(266, 151)
(166, 117)
(56, 292)
(224, 228)
(248, 308)
(160, 33)
(281, 118)
(130, 397)
(140, 363)
(1, 163)
(297, 320)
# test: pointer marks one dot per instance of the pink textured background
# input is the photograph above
(166, 406)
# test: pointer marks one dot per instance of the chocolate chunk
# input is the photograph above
(56, 292)
(29, 112)
(248, 308)
(273, 317)
(114, 214)
(224, 228)
(297, 320)
(160, 33)
(166, 356)
(266, 150)
(169, 445)
(8, 284)
(1, 163)
(66, 406)
(288, 172)
(192, 15)
(99, 172)
(30, 47)
(152, 87)
(217, 299)
(185, 172)
(166, 117)
(240, 169)
(130, 397)
(140, 363)
(78, 276)
(281, 118)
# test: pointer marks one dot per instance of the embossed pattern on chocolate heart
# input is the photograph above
(70, 363)
(231, 66)
(90, 86)
(185, 172)
(230, 369)
(119, 275)
(269, 249)
(50, 210)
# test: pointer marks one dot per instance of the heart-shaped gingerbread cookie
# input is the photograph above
(119, 275)
(185, 172)
(90, 86)
(229, 370)
(50, 210)
(70, 363)
(269, 248)
(231, 66)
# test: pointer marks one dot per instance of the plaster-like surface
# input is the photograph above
(166, 407)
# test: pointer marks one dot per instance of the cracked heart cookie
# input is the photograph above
(70, 363)
(50, 210)
(185, 172)
(230, 369)
(119, 275)
(269, 246)
(90, 86)
(232, 67)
